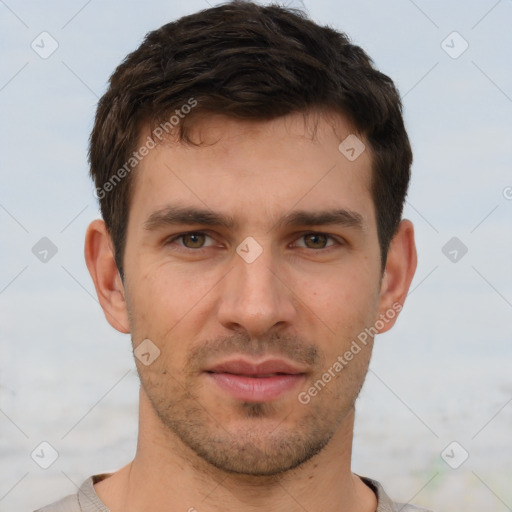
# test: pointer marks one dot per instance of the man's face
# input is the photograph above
(223, 299)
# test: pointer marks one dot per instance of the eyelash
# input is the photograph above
(187, 249)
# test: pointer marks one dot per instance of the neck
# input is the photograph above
(166, 475)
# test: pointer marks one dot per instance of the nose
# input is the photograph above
(256, 296)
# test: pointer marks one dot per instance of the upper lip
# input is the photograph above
(245, 367)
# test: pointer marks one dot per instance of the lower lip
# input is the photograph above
(256, 389)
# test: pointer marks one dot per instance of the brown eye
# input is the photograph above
(316, 240)
(193, 240)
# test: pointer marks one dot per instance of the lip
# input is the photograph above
(244, 367)
(256, 382)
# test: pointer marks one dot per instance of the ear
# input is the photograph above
(99, 256)
(400, 268)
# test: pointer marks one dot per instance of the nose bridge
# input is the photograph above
(255, 278)
(253, 297)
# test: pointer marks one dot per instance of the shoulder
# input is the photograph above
(85, 500)
(385, 503)
(406, 507)
(67, 504)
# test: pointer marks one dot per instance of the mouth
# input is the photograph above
(256, 382)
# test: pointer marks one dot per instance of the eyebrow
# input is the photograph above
(176, 215)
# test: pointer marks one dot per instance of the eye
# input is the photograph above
(317, 240)
(196, 240)
(191, 240)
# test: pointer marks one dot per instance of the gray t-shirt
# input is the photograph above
(86, 499)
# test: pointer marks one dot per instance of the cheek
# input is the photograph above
(342, 308)
(165, 305)
(162, 291)
(339, 292)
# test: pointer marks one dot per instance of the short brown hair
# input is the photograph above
(250, 62)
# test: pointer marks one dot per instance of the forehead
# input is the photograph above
(257, 170)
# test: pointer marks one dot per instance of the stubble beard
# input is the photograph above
(262, 446)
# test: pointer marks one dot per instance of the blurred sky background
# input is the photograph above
(443, 374)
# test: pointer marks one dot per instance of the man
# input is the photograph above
(251, 168)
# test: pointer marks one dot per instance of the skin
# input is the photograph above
(304, 298)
